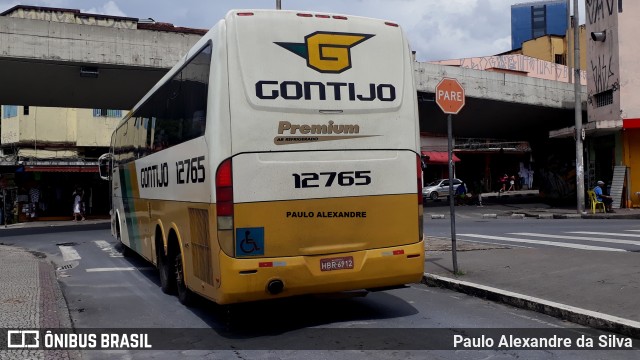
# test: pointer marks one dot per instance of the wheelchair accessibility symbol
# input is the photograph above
(250, 241)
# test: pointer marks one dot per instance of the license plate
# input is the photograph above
(337, 263)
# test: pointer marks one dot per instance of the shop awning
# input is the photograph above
(439, 157)
(61, 168)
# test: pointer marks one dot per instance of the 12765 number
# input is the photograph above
(190, 170)
(327, 179)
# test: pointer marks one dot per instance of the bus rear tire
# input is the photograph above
(124, 249)
(167, 275)
(185, 296)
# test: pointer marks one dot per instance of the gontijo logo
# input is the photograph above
(327, 52)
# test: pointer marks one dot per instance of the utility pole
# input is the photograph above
(577, 84)
(278, 4)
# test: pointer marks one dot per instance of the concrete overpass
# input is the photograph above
(41, 63)
(497, 105)
(48, 63)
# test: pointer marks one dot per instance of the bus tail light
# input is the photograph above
(224, 207)
(224, 190)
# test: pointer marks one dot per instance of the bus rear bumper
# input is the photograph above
(245, 280)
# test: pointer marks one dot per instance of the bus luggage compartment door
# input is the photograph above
(324, 202)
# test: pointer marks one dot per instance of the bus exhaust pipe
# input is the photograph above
(275, 287)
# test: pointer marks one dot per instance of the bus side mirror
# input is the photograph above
(104, 166)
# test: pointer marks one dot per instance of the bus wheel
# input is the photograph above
(167, 277)
(185, 295)
(126, 252)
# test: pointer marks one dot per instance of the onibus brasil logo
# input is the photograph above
(327, 52)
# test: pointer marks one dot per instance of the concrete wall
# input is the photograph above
(78, 43)
(603, 70)
(434, 143)
(526, 65)
(497, 86)
(628, 32)
(58, 127)
(95, 131)
(9, 129)
(67, 16)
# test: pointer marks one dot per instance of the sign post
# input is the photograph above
(450, 98)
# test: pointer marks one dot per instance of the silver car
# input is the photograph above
(439, 188)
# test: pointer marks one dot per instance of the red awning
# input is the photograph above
(439, 157)
(61, 168)
(631, 123)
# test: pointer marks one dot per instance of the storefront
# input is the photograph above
(45, 192)
(437, 165)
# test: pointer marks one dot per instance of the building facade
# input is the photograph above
(54, 151)
(613, 127)
(537, 18)
(48, 153)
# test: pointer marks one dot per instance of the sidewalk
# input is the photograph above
(595, 289)
(37, 227)
(519, 210)
(30, 298)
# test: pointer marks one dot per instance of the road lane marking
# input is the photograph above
(495, 243)
(607, 240)
(603, 233)
(542, 242)
(130, 268)
(106, 247)
(69, 253)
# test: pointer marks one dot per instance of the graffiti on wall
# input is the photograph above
(603, 73)
(70, 17)
(599, 9)
(533, 67)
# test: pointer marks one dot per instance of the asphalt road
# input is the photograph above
(105, 290)
(578, 234)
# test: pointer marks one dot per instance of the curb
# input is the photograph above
(32, 230)
(566, 312)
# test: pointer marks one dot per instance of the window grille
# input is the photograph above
(603, 98)
(107, 113)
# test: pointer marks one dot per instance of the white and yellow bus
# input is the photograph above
(279, 157)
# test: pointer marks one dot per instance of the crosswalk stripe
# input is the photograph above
(107, 248)
(603, 233)
(542, 242)
(495, 243)
(607, 240)
(632, 230)
(69, 253)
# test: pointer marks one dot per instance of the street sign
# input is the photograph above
(449, 96)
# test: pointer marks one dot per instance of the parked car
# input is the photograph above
(439, 188)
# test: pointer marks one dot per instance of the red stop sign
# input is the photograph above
(449, 96)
